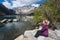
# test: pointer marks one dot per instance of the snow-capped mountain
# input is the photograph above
(19, 3)
(25, 9)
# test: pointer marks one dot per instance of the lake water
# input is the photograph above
(11, 30)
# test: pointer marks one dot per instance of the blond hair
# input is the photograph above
(46, 21)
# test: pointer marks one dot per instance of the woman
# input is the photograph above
(44, 30)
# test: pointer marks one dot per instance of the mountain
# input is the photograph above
(19, 3)
(25, 9)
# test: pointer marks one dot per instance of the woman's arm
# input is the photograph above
(44, 28)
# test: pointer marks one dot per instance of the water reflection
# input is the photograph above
(13, 29)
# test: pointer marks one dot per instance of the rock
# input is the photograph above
(40, 38)
(19, 37)
(44, 38)
(29, 35)
(48, 38)
(58, 34)
(52, 34)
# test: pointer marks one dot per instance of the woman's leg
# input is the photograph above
(37, 34)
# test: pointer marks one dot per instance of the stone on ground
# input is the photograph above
(29, 35)
(19, 37)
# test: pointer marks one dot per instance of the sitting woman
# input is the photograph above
(44, 30)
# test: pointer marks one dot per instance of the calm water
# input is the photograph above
(11, 30)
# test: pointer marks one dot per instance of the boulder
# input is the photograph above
(19, 37)
(29, 35)
(52, 34)
(58, 34)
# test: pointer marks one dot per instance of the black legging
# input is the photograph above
(38, 33)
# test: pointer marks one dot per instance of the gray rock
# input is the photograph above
(29, 35)
(58, 34)
(52, 34)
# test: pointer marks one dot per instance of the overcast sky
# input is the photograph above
(20, 3)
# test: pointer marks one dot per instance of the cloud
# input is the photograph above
(35, 5)
(7, 4)
(19, 3)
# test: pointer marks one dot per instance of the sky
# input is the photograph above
(20, 3)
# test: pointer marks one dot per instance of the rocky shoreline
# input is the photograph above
(29, 35)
